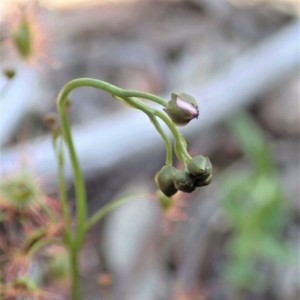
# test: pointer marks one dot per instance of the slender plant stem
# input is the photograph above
(42, 243)
(74, 244)
(103, 211)
(150, 113)
(111, 89)
(80, 191)
(78, 178)
(74, 270)
(62, 189)
(180, 147)
(169, 155)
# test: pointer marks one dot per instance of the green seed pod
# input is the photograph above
(203, 181)
(165, 180)
(200, 167)
(164, 201)
(9, 73)
(182, 108)
(184, 182)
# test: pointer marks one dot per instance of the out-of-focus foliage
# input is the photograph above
(255, 207)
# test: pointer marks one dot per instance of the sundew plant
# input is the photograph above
(196, 172)
(40, 222)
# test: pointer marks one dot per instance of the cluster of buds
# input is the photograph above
(198, 173)
(182, 108)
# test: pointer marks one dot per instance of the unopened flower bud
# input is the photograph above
(200, 167)
(164, 201)
(184, 182)
(182, 108)
(51, 120)
(9, 73)
(203, 181)
(22, 37)
(165, 180)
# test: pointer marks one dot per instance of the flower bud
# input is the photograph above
(51, 120)
(184, 182)
(9, 73)
(203, 181)
(22, 37)
(200, 167)
(164, 201)
(182, 108)
(165, 180)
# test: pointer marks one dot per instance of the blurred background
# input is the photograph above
(237, 238)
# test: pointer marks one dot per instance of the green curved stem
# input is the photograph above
(169, 155)
(42, 243)
(81, 208)
(61, 106)
(180, 148)
(74, 245)
(62, 188)
(150, 113)
(111, 89)
(102, 212)
(78, 177)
